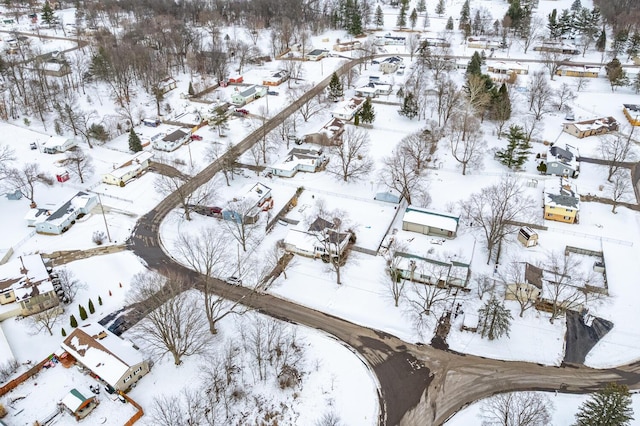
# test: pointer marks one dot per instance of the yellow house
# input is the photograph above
(578, 71)
(530, 287)
(561, 201)
(632, 112)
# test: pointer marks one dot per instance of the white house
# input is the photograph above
(320, 239)
(128, 170)
(276, 78)
(391, 65)
(373, 90)
(240, 98)
(563, 161)
(57, 221)
(430, 222)
(167, 84)
(346, 110)
(172, 141)
(115, 361)
(57, 144)
(432, 271)
(316, 54)
(298, 159)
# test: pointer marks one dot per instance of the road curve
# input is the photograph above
(419, 385)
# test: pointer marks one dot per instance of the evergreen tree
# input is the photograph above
(83, 312)
(440, 8)
(449, 25)
(356, 119)
(619, 41)
(355, 23)
(475, 64)
(633, 45)
(517, 150)
(378, 18)
(465, 15)
(576, 6)
(413, 18)
(367, 114)
(48, 17)
(402, 16)
(552, 25)
(134, 141)
(92, 308)
(409, 106)
(616, 74)
(100, 300)
(73, 322)
(601, 43)
(421, 6)
(516, 14)
(495, 319)
(191, 92)
(565, 23)
(64, 332)
(335, 88)
(609, 407)
(636, 83)
(501, 106)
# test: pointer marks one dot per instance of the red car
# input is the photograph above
(242, 111)
(195, 137)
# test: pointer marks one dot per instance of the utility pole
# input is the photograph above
(104, 217)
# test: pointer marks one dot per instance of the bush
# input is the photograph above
(92, 309)
(83, 312)
(64, 332)
(99, 300)
(7, 369)
(3, 411)
(73, 322)
(98, 237)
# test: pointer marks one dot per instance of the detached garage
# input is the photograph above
(430, 222)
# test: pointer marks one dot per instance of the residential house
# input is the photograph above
(501, 67)
(316, 55)
(171, 141)
(346, 110)
(347, 45)
(430, 222)
(391, 64)
(433, 271)
(320, 239)
(434, 42)
(632, 112)
(276, 78)
(530, 288)
(251, 93)
(115, 361)
(253, 198)
(167, 84)
(128, 170)
(78, 405)
(597, 126)
(556, 47)
(236, 79)
(484, 43)
(58, 221)
(389, 40)
(298, 159)
(563, 161)
(57, 68)
(329, 134)
(578, 71)
(373, 90)
(561, 200)
(58, 144)
(26, 287)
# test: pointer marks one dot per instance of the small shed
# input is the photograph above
(528, 237)
(388, 197)
(78, 405)
(430, 222)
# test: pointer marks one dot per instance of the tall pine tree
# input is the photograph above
(335, 88)
(367, 114)
(449, 25)
(609, 407)
(465, 15)
(440, 8)
(495, 319)
(517, 150)
(134, 141)
(48, 17)
(413, 18)
(409, 106)
(378, 18)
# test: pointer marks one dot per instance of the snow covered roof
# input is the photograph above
(609, 123)
(81, 200)
(568, 155)
(74, 400)
(431, 218)
(561, 193)
(132, 164)
(27, 276)
(105, 354)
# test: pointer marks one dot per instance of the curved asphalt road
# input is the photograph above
(419, 385)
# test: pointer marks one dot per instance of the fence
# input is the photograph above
(284, 209)
(137, 415)
(11, 385)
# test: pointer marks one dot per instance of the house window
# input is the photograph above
(26, 302)
(7, 295)
(127, 378)
(567, 218)
(139, 369)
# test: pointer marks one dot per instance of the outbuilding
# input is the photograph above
(430, 222)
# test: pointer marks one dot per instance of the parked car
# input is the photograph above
(233, 280)
(195, 137)
(273, 93)
(215, 210)
(242, 111)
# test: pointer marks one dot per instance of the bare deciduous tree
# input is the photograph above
(185, 408)
(68, 282)
(513, 277)
(517, 409)
(45, 320)
(616, 149)
(173, 322)
(7, 156)
(179, 186)
(401, 173)
(395, 282)
(494, 209)
(241, 222)
(619, 188)
(350, 159)
(79, 163)
(25, 180)
(448, 98)
(334, 239)
(429, 300)
(563, 96)
(466, 142)
(540, 95)
(564, 283)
